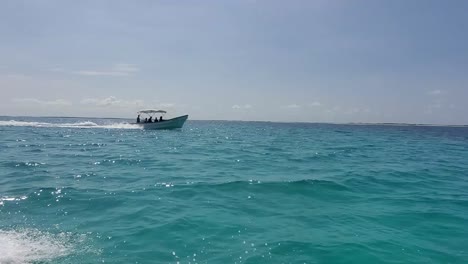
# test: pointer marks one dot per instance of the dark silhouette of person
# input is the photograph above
(138, 119)
(150, 120)
(156, 119)
(160, 119)
(146, 120)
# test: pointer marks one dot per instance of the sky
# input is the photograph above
(301, 61)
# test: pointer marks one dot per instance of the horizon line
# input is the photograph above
(269, 121)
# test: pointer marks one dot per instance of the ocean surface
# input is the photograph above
(78, 190)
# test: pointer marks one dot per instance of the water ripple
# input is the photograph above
(245, 192)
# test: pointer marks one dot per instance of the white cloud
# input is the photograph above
(124, 67)
(166, 105)
(315, 104)
(57, 102)
(57, 69)
(246, 106)
(434, 107)
(120, 69)
(292, 106)
(112, 101)
(354, 110)
(162, 105)
(16, 76)
(101, 73)
(334, 110)
(136, 104)
(436, 92)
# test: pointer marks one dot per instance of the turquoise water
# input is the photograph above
(94, 190)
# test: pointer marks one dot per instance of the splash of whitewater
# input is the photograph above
(86, 124)
(32, 246)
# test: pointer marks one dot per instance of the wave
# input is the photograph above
(281, 184)
(305, 186)
(85, 124)
(32, 246)
(11, 199)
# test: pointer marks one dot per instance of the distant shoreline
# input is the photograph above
(263, 121)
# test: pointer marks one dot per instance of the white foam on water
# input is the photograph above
(11, 199)
(121, 126)
(79, 124)
(19, 123)
(85, 124)
(32, 246)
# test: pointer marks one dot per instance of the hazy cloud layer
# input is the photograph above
(35, 101)
(120, 69)
(246, 106)
(315, 104)
(292, 106)
(436, 92)
(112, 101)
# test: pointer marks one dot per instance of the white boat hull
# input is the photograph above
(172, 123)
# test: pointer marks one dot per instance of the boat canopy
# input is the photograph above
(152, 111)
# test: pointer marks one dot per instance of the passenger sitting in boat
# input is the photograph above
(150, 120)
(160, 119)
(138, 119)
(156, 119)
(146, 120)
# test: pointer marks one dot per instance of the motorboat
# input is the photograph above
(151, 120)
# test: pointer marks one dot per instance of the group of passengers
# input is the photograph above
(150, 120)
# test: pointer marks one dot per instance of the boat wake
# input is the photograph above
(85, 124)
